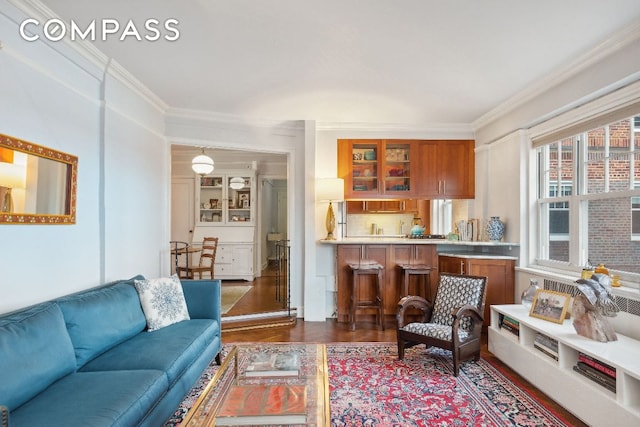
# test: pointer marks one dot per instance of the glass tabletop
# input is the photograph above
(282, 384)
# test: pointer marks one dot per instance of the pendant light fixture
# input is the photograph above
(202, 164)
(236, 183)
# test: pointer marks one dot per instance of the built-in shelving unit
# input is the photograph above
(595, 403)
(226, 208)
(219, 202)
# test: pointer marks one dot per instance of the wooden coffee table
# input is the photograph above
(311, 376)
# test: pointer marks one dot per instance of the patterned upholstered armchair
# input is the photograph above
(453, 321)
(4, 416)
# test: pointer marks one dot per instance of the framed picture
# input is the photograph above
(214, 203)
(550, 305)
(243, 199)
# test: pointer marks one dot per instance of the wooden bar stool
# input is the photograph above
(422, 271)
(366, 268)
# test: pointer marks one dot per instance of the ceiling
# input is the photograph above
(348, 61)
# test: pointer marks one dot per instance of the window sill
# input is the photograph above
(628, 289)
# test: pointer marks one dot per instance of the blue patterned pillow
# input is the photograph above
(162, 301)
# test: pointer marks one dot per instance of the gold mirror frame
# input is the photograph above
(69, 216)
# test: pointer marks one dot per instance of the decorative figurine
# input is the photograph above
(592, 307)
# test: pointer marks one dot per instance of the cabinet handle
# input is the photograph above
(461, 267)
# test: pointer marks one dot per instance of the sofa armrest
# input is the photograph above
(203, 298)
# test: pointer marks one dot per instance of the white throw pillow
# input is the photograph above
(162, 301)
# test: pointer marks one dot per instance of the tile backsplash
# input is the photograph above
(388, 224)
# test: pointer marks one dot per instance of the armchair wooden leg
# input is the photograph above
(400, 349)
(379, 300)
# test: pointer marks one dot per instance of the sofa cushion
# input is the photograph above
(35, 351)
(162, 301)
(102, 318)
(172, 349)
(89, 399)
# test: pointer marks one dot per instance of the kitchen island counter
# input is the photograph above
(391, 252)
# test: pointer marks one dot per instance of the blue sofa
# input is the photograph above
(87, 359)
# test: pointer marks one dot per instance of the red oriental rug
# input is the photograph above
(369, 386)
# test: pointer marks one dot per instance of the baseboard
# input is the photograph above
(259, 320)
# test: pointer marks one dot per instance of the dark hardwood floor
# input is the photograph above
(262, 299)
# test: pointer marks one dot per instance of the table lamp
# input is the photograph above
(330, 190)
(12, 176)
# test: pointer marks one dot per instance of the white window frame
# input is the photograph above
(577, 202)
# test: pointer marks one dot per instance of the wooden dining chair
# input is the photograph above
(206, 263)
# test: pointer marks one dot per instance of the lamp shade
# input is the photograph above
(202, 164)
(12, 175)
(330, 189)
(236, 183)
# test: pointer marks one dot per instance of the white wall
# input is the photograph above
(52, 94)
(136, 185)
(499, 189)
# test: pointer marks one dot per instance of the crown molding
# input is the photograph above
(86, 50)
(627, 95)
(35, 9)
(617, 41)
(117, 71)
(185, 115)
(462, 130)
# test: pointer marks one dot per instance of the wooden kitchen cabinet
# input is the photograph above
(382, 206)
(389, 255)
(447, 169)
(376, 168)
(411, 169)
(499, 271)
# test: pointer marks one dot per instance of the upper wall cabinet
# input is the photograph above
(376, 168)
(447, 169)
(401, 169)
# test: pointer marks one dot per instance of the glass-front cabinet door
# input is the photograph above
(364, 168)
(225, 199)
(374, 168)
(211, 199)
(239, 199)
(397, 168)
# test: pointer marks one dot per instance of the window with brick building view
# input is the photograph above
(589, 198)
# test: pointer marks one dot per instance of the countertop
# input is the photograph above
(457, 248)
(396, 240)
(469, 255)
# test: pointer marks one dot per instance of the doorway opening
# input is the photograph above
(261, 297)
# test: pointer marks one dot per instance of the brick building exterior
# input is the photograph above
(611, 221)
